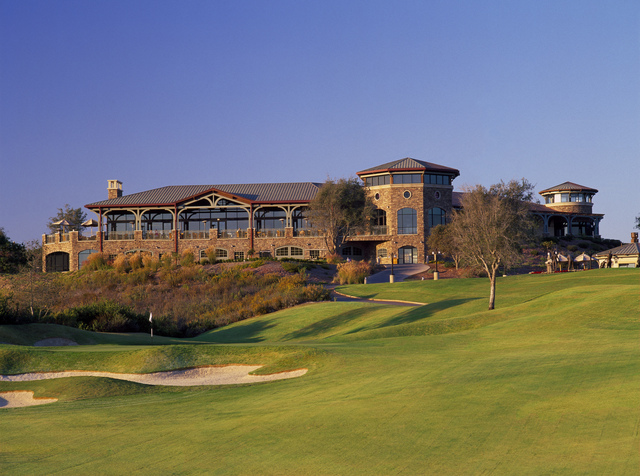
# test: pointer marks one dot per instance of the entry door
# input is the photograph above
(408, 255)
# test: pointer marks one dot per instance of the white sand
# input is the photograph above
(22, 398)
(212, 375)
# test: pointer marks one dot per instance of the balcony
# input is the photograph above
(270, 233)
(87, 238)
(194, 235)
(232, 234)
(119, 235)
(156, 235)
(307, 232)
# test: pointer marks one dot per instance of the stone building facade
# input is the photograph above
(238, 221)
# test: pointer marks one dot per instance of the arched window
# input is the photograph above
(407, 221)
(289, 251)
(437, 216)
(57, 262)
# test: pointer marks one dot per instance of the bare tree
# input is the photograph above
(492, 226)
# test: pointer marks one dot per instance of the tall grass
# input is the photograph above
(353, 272)
(185, 300)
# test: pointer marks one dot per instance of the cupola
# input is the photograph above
(569, 197)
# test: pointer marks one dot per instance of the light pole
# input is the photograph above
(436, 274)
(391, 277)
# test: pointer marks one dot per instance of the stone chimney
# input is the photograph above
(114, 188)
(634, 237)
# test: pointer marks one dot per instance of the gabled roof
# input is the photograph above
(248, 193)
(569, 186)
(628, 249)
(408, 165)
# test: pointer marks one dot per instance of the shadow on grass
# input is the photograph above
(417, 313)
(246, 333)
(325, 325)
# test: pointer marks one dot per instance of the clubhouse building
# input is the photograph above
(270, 219)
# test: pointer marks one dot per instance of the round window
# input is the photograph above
(406, 194)
(377, 196)
(437, 195)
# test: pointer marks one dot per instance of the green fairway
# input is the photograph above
(548, 383)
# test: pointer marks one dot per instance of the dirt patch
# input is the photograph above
(22, 398)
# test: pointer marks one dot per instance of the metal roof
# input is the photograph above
(409, 164)
(249, 193)
(456, 201)
(628, 249)
(569, 186)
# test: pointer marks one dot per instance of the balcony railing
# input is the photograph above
(50, 238)
(307, 232)
(270, 233)
(226, 234)
(379, 230)
(119, 235)
(194, 235)
(64, 237)
(87, 238)
(156, 235)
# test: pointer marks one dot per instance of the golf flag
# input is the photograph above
(150, 317)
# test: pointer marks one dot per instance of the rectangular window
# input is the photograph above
(203, 254)
(407, 178)
(238, 255)
(314, 254)
(378, 180)
(221, 254)
(549, 199)
(564, 197)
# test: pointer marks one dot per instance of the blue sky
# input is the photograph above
(157, 93)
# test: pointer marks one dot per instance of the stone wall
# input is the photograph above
(157, 247)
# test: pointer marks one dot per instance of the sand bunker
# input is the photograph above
(212, 375)
(22, 398)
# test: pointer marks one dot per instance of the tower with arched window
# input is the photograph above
(411, 197)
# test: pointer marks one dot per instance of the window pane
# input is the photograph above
(407, 221)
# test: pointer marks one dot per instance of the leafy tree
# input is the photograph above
(12, 255)
(75, 217)
(492, 226)
(339, 209)
(443, 240)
